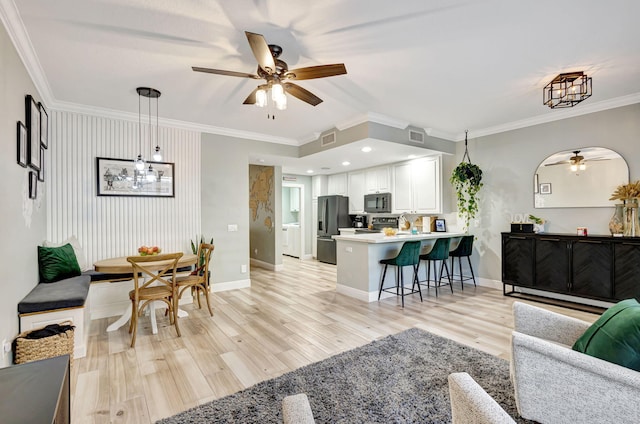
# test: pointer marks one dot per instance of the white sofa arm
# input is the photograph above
(470, 404)
(296, 410)
(554, 383)
(538, 322)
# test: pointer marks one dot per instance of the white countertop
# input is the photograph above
(381, 238)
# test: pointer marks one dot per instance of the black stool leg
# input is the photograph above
(444, 262)
(461, 277)
(415, 280)
(401, 283)
(471, 268)
(384, 273)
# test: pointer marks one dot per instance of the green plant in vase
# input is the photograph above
(467, 182)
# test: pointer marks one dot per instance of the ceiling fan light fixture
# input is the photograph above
(567, 90)
(281, 103)
(261, 97)
(277, 92)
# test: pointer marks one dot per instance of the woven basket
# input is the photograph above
(27, 350)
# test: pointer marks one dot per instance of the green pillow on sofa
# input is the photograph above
(615, 336)
(57, 263)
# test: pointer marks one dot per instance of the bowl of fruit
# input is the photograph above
(149, 250)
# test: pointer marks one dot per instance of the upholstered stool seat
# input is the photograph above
(409, 255)
(439, 252)
(464, 249)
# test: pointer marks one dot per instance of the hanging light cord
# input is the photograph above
(466, 149)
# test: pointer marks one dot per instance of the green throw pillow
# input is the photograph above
(615, 336)
(57, 263)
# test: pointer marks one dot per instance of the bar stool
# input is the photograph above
(409, 255)
(465, 248)
(440, 252)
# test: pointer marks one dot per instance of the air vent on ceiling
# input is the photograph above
(416, 137)
(328, 139)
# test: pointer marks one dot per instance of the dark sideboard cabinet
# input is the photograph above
(594, 267)
(36, 392)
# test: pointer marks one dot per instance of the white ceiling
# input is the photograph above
(446, 65)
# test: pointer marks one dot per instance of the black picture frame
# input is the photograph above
(32, 122)
(41, 171)
(21, 145)
(441, 226)
(33, 184)
(116, 177)
(545, 188)
(44, 126)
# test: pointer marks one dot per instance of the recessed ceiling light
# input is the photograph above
(346, 163)
(366, 149)
(412, 156)
(309, 171)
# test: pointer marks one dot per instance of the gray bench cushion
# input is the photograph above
(68, 293)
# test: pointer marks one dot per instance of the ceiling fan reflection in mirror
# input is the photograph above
(277, 75)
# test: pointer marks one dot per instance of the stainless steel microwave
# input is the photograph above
(377, 203)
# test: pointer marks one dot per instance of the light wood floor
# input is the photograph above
(286, 319)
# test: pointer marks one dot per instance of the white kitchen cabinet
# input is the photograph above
(377, 180)
(291, 240)
(337, 184)
(417, 186)
(356, 192)
(347, 231)
(318, 186)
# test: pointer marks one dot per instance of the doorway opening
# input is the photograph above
(293, 220)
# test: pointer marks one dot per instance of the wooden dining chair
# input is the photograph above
(198, 281)
(153, 278)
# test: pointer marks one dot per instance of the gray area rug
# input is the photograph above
(397, 379)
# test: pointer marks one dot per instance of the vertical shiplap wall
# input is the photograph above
(115, 226)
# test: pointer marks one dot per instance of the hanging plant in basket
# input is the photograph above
(467, 181)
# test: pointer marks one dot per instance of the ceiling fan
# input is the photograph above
(277, 74)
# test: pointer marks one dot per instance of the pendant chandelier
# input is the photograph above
(140, 171)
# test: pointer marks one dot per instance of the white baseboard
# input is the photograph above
(361, 294)
(230, 285)
(307, 257)
(266, 265)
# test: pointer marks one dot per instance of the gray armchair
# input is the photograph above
(555, 384)
(470, 404)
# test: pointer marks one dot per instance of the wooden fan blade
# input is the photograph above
(228, 73)
(251, 98)
(261, 51)
(320, 71)
(302, 94)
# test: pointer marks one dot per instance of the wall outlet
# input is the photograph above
(6, 347)
(349, 249)
(232, 227)
(243, 269)
(255, 251)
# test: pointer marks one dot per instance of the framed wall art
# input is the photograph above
(119, 177)
(44, 126)
(33, 185)
(22, 145)
(545, 188)
(32, 112)
(41, 171)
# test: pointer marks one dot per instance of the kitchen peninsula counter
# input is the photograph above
(358, 260)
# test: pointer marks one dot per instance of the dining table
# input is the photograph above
(120, 265)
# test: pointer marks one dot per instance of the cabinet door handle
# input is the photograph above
(589, 241)
(630, 244)
(550, 239)
(518, 238)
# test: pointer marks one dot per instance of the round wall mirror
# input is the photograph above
(584, 177)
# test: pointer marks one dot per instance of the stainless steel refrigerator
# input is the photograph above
(333, 213)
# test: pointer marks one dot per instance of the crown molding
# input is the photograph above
(558, 115)
(173, 123)
(15, 28)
